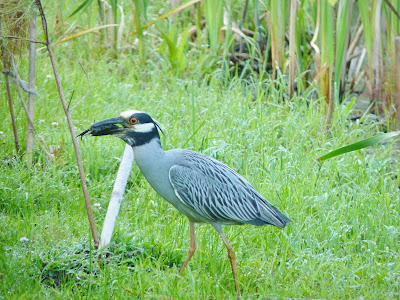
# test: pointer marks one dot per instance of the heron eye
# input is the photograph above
(133, 120)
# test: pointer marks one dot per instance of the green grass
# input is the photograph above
(343, 241)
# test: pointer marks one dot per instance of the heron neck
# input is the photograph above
(149, 152)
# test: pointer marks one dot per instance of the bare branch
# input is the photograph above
(354, 43)
(71, 128)
(87, 93)
(15, 76)
(21, 38)
(10, 104)
(31, 86)
(392, 8)
(30, 121)
(70, 99)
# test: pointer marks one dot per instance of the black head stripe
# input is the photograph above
(158, 126)
(143, 117)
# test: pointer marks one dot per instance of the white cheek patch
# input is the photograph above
(146, 127)
(128, 113)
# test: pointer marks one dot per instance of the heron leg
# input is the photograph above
(232, 258)
(192, 248)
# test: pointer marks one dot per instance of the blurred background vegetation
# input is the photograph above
(339, 49)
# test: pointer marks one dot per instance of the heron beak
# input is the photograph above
(107, 127)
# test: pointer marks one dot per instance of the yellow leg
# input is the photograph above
(232, 258)
(192, 248)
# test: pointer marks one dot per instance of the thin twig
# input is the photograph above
(353, 55)
(239, 33)
(392, 8)
(354, 43)
(14, 74)
(31, 86)
(357, 74)
(21, 38)
(70, 99)
(71, 127)
(9, 98)
(28, 117)
(14, 125)
(88, 90)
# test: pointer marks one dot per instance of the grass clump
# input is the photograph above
(81, 265)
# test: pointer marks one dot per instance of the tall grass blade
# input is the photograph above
(343, 23)
(278, 15)
(326, 47)
(169, 39)
(376, 61)
(371, 16)
(396, 75)
(181, 50)
(359, 145)
(85, 4)
(140, 13)
(301, 52)
(392, 64)
(366, 18)
(292, 47)
(214, 19)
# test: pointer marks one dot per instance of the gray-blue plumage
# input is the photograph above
(219, 193)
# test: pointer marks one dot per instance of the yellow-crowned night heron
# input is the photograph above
(202, 188)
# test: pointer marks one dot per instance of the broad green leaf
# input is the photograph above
(278, 15)
(167, 38)
(359, 145)
(342, 22)
(367, 21)
(181, 50)
(84, 5)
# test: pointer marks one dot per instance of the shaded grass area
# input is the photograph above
(80, 265)
(343, 242)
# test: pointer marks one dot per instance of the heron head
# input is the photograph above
(134, 127)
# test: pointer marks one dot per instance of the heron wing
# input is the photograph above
(219, 193)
